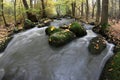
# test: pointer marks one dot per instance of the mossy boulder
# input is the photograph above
(28, 24)
(117, 48)
(79, 30)
(4, 43)
(97, 45)
(51, 30)
(61, 38)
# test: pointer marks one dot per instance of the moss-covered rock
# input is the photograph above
(51, 30)
(28, 24)
(97, 45)
(117, 48)
(79, 30)
(61, 38)
(4, 43)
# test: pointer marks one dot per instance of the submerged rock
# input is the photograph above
(64, 26)
(77, 29)
(51, 30)
(61, 38)
(28, 24)
(97, 45)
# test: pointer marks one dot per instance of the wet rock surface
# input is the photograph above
(97, 45)
(61, 38)
(79, 30)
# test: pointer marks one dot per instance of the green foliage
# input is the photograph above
(61, 38)
(105, 26)
(79, 30)
(97, 45)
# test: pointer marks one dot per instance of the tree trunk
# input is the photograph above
(87, 10)
(104, 16)
(25, 4)
(93, 10)
(30, 16)
(82, 9)
(31, 4)
(119, 9)
(15, 11)
(2, 12)
(43, 9)
(98, 11)
(73, 8)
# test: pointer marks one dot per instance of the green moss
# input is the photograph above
(112, 69)
(97, 45)
(51, 30)
(4, 44)
(60, 38)
(77, 29)
(28, 24)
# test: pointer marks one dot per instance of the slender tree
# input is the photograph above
(15, 11)
(87, 10)
(93, 9)
(98, 11)
(82, 13)
(30, 16)
(43, 9)
(119, 9)
(31, 4)
(104, 16)
(73, 8)
(2, 12)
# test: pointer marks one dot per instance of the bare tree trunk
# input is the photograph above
(73, 8)
(119, 9)
(15, 11)
(87, 10)
(43, 9)
(104, 16)
(82, 9)
(93, 10)
(30, 16)
(2, 7)
(98, 11)
(31, 4)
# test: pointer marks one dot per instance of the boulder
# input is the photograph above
(4, 43)
(61, 38)
(64, 26)
(79, 30)
(28, 24)
(117, 48)
(97, 45)
(50, 30)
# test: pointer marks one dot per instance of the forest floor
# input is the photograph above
(112, 68)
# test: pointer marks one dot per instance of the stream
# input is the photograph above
(30, 57)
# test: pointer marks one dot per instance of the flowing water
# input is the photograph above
(30, 57)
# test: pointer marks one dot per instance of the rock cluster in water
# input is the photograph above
(61, 36)
(97, 45)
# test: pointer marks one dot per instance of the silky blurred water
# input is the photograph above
(29, 57)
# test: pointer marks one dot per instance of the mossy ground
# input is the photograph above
(112, 69)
